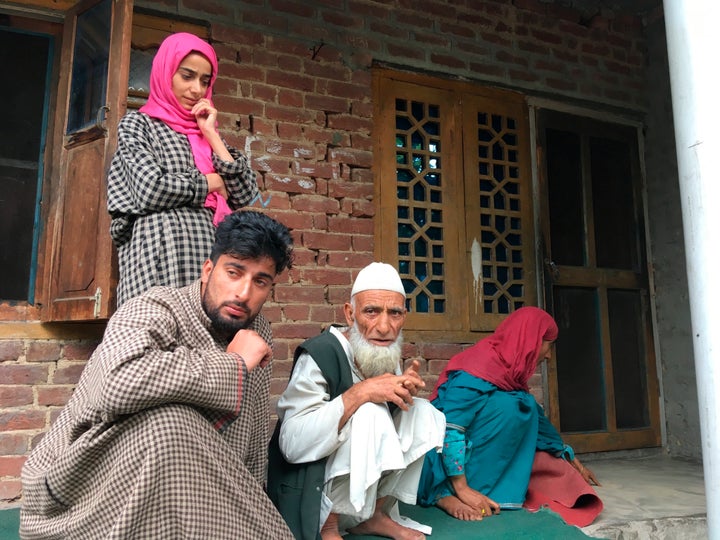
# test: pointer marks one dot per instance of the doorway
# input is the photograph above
(602, 378)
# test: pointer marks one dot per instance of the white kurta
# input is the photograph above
(374, 455)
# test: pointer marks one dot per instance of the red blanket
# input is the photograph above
(555, 484)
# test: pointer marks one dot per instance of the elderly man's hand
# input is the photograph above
(386, 388)
(411, 379)
(397, 389)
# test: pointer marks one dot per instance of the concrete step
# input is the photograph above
(649, 497)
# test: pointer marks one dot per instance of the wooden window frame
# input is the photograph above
(59, 251)
(458, 323)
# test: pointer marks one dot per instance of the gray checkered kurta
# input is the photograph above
(164, 437)
(156, 199)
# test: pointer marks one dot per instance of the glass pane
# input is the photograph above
(90, 65)
(565, 192)
(616, 232)
(25, 59)
(499, 201)
(581, 381)
(420, 186)
(628, 353)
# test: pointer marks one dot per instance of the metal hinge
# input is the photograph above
(98, 301)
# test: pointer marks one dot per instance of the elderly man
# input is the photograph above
(352, 435)
(166, 433)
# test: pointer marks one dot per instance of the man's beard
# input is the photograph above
(225, 326)
(374, 360)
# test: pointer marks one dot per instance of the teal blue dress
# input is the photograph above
(492, 436)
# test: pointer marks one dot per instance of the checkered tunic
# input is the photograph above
(156, 199)
(165, 435)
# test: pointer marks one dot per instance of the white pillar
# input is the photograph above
(693, 38)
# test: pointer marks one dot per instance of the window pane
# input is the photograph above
(565, 197)
(580, 372)
(501, 245)
(616, 241)
(26, 57)
(90, 65)
(628, 354)
(419, 177)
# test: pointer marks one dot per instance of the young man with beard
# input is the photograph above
(166, 433)
(351, 435)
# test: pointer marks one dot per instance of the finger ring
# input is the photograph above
(483, 512)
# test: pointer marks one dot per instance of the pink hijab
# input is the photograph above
(163, 105)
(509, 356)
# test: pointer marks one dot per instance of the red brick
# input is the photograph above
(351, 156)
(315, 203)
(339, 295)
(21, 419)
(277, 386)
(350, 123)
(289, 131)
(289, 114)
(349, 259)
(363, 243)
(268, 164)
(328, 314)
(43, 351)
(10, 350)
(296, 312)
(289, 183)
(362, 209)
(327, 276)
(351, 90)
(68, 373)
(280, 350)
(54, 395)
(327, 103)
(317, 169)
(10, 490)
(79, 350)
(11, 465)
(435, 367)
(361, 140)
(296, 330)
(15, 396)
(326, 241)
(282, 369)
(306, 294)
(324, 70)
(13, 444)
(23, 374)
(441, 351)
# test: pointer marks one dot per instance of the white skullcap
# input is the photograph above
(378, 276)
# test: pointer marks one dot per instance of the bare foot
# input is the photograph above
(329, 530)
(458, 509)
(380, 524)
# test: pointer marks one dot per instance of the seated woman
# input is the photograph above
(495, 428)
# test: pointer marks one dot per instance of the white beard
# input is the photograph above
(374, 360)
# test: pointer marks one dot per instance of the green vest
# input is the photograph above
(296, 488)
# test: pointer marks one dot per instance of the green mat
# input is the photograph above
(10, 524)
(509, 524)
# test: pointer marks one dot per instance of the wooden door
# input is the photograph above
(602, 378)
(92, 95)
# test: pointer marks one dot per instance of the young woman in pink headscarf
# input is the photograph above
(173, 178)
(500, 449)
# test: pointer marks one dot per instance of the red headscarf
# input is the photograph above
(162, 103)
(509, 356)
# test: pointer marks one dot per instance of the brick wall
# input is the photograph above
(37, 378)
(294, 91)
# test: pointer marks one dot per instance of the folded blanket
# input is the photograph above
(555, 484)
